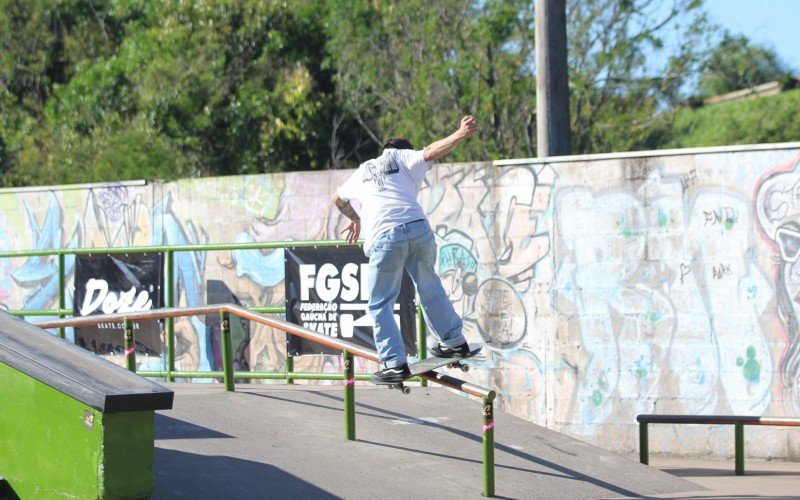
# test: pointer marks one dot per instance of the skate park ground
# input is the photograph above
(287, 441)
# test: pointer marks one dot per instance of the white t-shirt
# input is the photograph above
(387, 188)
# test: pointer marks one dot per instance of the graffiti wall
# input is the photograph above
(601, 288)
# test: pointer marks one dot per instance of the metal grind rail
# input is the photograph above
(738, 422)
(348, 349)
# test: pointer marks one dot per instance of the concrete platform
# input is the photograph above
(761, 480)
(277, 441)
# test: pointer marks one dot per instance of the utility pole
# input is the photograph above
(552, 79)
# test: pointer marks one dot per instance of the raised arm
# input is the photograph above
(468, 128)
(353, 229)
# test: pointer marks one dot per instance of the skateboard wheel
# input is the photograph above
(406, 390)
(464, 368)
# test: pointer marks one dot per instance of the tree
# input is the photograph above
(618, 93)
(99, 91)
(413, 68)
(164, 89)
(41, 44)
(737, 63)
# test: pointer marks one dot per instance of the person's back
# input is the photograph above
(387, 187)
(397, 237)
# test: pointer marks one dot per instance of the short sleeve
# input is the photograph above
(415, 162)
(350, 189)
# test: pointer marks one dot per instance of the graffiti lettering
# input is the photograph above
(726, 216)
(721, 271)
(500, 312)
(781, 200)
(689, 179)
(495, 311)
(496, 299)
(456, 257)
(496, 322)
(113, 201)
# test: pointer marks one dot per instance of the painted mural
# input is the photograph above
(600, 288)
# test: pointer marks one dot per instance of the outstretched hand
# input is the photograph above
(353, 231)
(469, 126)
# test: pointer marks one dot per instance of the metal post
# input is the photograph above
(488, 447)
(552, 79)
(644, 450)
(422, 340)
(170, 325)
(289, 366)
(739, 445)
(61, 291)
(130, 346)
(289, 357)
(227, 350)
(349, 397)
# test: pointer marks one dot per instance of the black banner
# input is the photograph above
(326, 291)
(108, 284)
(217, 292)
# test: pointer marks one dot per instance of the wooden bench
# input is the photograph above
(738, 421)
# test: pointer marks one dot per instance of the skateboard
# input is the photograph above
(430, 364)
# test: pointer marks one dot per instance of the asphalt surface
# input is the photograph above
(762, 479)
(278, 441)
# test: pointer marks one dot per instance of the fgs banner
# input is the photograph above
(326, 291)
(108, 284)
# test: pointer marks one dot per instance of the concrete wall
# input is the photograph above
(602, 287)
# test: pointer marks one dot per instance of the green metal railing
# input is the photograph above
(171, 373)
(257, 314)
(348, 350)
(169, 285)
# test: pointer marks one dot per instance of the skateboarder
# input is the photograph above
(397, 235)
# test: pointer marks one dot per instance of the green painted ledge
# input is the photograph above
(72, 424)
(52, 445)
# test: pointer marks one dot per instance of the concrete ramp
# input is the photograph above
(277, 441)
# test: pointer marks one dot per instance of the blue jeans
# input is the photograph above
(410, 246)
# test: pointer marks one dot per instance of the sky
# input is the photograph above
(772, 23)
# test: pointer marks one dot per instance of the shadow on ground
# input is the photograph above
(177, 474)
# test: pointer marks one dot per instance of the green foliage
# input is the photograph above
(736, 63)
(767, 119)
(616, 95)
(163, 89)
(413, 68)
(122, 89)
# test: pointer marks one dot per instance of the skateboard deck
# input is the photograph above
(432, 363)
